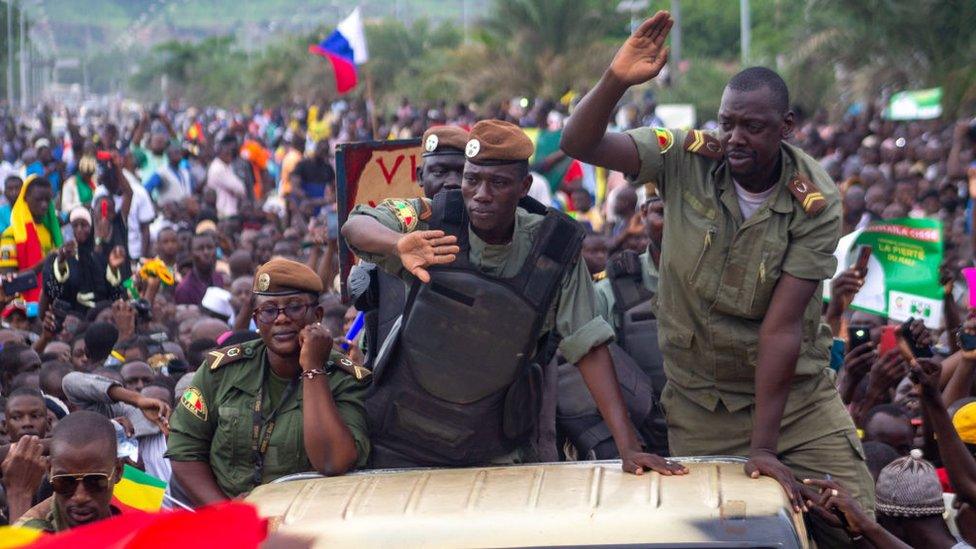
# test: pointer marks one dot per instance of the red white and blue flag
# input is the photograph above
(345, 48)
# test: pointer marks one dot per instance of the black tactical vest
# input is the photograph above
(460, 384)
(637, 333)
(381, 299)
(639, 366)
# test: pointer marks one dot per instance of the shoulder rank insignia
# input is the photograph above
(228, 355)
(192, 400)
(349, 366)
(707, 145)
(807, 194)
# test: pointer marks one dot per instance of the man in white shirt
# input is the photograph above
(230, 189)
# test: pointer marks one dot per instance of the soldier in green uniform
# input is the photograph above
(378, 293)
(282, 404)
(645, 268)
(490, 281)
(751, 224)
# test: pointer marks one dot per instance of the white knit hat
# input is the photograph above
(909, 487)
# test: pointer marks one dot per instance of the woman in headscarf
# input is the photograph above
(79, 275)
(33, 233)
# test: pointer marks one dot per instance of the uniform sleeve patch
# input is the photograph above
(192, 400)
(664, 139)
(404, 212)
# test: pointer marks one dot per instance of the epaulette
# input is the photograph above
(600, 276)
(707, 145)
(228, 355)
(807, 194)
(349, 366)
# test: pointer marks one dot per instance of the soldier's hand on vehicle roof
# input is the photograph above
(766, 463)
(643, 55)
(421, 249)
(638, 462)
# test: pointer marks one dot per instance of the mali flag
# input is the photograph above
(137, 490)
(17, 536)
(29, 245)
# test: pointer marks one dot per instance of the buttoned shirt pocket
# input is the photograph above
(767, 272)
(231, 446)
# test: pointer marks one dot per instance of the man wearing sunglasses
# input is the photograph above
(83, 472)
(282, 404)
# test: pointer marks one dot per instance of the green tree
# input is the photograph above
(541, 47)
(886, 45)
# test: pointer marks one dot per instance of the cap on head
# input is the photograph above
(909, 487)
(282, 276)
(497, 142)
(444, 140)
(964, 420)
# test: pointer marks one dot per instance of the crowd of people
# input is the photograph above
(154, 260)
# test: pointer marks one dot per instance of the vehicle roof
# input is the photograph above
(572, 503)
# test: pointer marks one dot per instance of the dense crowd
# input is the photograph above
(131, 240)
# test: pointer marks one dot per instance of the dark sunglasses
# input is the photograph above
(66, 484)
(267, 314)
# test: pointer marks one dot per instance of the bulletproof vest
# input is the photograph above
(381, 296)
(637, 332)
(382, 301)
(638, 364)
(461, 383)
(579, 420)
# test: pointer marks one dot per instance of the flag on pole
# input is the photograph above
(138, 490)
(345, 48)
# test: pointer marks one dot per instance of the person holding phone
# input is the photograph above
(33, 233)
(78, 274)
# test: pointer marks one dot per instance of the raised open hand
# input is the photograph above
(643, 55)
(421, 249)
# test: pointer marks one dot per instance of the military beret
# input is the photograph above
(497, 142)
(444, 140)
(282, 276)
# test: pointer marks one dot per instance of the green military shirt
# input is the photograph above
(718, 271)
(213, 420)
(573, 313)
(605, 300)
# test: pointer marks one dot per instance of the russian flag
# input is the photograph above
(345, 48)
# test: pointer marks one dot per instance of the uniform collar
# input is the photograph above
(248, 376)
(781, 201)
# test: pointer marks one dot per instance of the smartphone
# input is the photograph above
(863, 256)
(61, 308)
(20, 283)
(889, 339)
(906, 333)
(857, 336)
(967, 341)
(332, 223)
